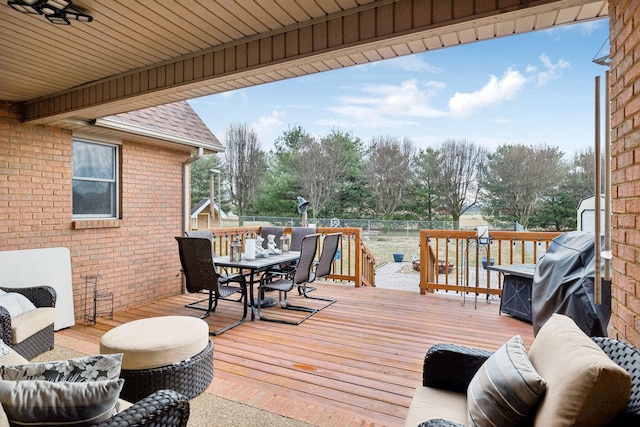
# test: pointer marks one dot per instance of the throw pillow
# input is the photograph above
(584, 386)
(59, 404)
(505, 389)
(16, 304)
(80, 369)
(4, 349)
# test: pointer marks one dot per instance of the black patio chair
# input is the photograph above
(297, 234)
(205, 234)
(276, 231)
(196, 257)
(323, 267)
(284, 282)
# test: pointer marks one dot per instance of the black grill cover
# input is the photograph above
(563, 283)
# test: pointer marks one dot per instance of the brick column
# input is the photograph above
(625, 136)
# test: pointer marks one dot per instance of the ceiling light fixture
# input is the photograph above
(59, 12)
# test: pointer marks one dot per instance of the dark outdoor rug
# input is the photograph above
(207, 410)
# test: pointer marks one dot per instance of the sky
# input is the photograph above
(533, 89)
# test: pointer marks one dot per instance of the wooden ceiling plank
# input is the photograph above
(568, 15)
(347, 4)
(467, 35)
(401, 49)
(330, 6)
(359, 58)
(130, 30)
(246, 16)
(433, 43)
(311, 8)
(149, 20)
(282, 17)
(525, 24)
(450, 39)
(416, 46)
(592, 10)
(345, 61)
(265, 15)
(298, 14)
(192, 23)
(29, 38)
(210, 22)
(505, 28)
(386, 52)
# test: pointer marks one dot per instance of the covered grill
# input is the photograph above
(563, 283)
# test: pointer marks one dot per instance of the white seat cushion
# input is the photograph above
(157, 341)
(429, 403)
(27, 324)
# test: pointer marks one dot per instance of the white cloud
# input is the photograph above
(268, 128)
(237, 93)
(494, 92)
(410, 63)
(552, 71)
(388, 105)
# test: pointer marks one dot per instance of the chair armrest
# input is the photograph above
(451, 367)
(164, 408)
(40, 296)
(439, 423)
(5, 326)
(628, 358)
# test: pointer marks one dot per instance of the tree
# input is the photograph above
(425, 194)
(558, 209)
(201, 177)
(460, 169)
(389, 163)
(282, 183)
(518, 178)
(245, 165)
(321, 165)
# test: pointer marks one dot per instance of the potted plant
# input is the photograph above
(397, 257)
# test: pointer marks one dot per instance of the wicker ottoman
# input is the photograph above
(170, 352)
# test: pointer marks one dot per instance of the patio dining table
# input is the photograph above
(256, 266)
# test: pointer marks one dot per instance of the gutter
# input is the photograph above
(151, 133)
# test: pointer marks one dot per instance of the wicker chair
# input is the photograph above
(196, 257)
(285, 281)
(164, 408)
(451, 367)
(39, 342)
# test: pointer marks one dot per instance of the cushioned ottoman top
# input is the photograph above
(157, 341)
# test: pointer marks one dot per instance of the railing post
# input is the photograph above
(359, 258)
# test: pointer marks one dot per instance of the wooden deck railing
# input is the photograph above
(452, 260)
(355, 263)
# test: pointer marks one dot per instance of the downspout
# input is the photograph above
(186, 187)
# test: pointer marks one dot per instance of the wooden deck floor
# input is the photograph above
(355, 363)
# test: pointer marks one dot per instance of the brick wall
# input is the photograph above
(625, 136)
(137, 256)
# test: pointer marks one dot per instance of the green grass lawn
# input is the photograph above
(384, 245)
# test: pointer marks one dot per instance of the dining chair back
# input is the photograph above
(196, 258)
(330, 244)
(297, 234)
(276, 231)
(284, 282)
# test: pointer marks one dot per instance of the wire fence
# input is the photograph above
(375, 225)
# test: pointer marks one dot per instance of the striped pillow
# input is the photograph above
(505, 389)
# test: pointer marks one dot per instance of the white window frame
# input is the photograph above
(115, 207)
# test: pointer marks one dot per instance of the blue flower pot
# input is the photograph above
(398, 257)
(492, 261)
